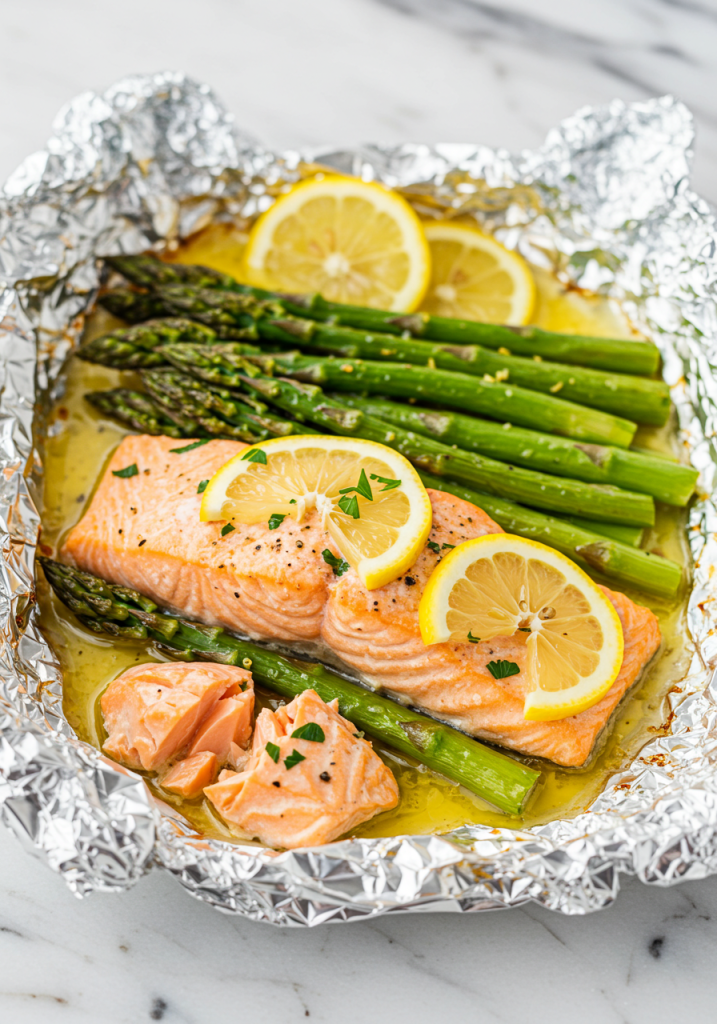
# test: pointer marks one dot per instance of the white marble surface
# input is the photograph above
(331, 71)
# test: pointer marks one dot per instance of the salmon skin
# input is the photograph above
(298, 791)
(144, 532)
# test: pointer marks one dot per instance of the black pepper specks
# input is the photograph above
(325, 777)
(409, 581)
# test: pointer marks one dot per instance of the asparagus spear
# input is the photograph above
(666, 481)
(620, 564)
(106, 608)
(621, 355)
(187, 397)
(645, 401)
(309, 403)
(140, 346)
(630, 535)
(135, 410)
(527, 408)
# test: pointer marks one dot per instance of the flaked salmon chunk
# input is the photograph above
(303, 792)
(189, 777)
(153, 713)
(144, 532)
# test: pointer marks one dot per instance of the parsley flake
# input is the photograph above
(337, 564)
(127, 472)
(350, 506)
(363, 487)
(390, 484)
(293, 501)
(293, 759)
(447, 546)
(503, 669)
(433, 546)
(311, 731)
(273, 751)
(473, 639)
(227, 529)
(275, 520)
(190, 447)
(202, 486)
(254, 455)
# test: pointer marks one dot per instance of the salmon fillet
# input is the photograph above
(144, 532)
(154, 712)
(286, 800)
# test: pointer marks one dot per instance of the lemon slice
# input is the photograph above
(499, 584)
(380, 536)
(473, 277)
(352, 241)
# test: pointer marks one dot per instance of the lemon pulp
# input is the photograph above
(474, 277)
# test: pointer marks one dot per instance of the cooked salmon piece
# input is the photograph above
(226, 728)
(189, 777)
(153, 712)
(144, 532)
(304, 792)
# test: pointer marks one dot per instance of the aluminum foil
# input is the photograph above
(151, 160)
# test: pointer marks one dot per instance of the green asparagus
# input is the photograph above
(666, 481)
(309, 403)
(136, 411)
(106, 608)
(645, 401)
(620, 564)
(623, 356)
(136, 347)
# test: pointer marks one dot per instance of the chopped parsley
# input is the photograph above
(337, 564)
(350, 506)
(275, 520)
(227, 529)
(433, 546)
(254, 455)
(363, 487)
(311, 731)
(293, 501)
(202, 486)
(447, 546)
(190, 447)
(503, 669)
(390, 484)
(127, 472)
(473, 639)
(293, 759)
(273, 751)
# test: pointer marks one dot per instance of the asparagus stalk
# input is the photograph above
(140, 346)
(106, 608)
(310, 403)
(216, 410)
(630, 535)
(666, 481)
(620, 564)
(621, 355)
(136, 411)
(645, 401)
(459, 391)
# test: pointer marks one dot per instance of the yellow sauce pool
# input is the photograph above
(76, 449)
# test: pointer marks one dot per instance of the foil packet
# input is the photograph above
(153, 159)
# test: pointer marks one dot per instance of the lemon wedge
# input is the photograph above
(500, 584)
(352, 241)
(371, 500)
(473, 277)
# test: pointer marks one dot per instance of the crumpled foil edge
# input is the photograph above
(150, 160)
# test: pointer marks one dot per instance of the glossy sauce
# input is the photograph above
(78, 445)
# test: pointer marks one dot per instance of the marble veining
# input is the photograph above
(304, 74)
